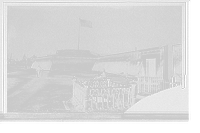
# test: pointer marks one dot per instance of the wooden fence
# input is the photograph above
(152, 85)
(103, 95)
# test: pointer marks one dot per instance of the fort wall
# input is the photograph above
(72, 64)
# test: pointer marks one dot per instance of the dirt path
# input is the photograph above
(21, 94)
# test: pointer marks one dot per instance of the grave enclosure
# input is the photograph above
(103, 95)
(106, 95)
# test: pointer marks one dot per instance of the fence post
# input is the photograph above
(172, 82)
(85, 100)
(108, 79)
(133, 93)
(138, 84)
(73, 89)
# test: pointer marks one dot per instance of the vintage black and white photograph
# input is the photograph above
(95, 61)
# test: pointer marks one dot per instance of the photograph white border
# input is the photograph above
(183, 3)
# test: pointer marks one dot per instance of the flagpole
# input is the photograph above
(79, 34)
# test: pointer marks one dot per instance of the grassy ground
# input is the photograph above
(50, 98)
(15, 81)
(23, 72)
(48, 92)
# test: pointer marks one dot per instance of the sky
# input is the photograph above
(42, 30)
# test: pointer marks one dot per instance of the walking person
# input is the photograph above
(38, 69)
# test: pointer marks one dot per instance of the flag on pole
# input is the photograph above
(85, 23)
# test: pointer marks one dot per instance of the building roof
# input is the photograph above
(75, 53)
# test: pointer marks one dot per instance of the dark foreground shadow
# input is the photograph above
(173, 100)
